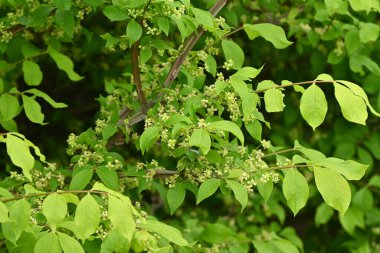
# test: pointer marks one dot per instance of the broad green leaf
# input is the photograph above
(229, 126)
(336, 6)
(120, 214)
(312, 154)
(274, 100)
(313, 106)
(232, 51)
(211, 64)
(19, 214)
(128, 3)
(363, 200)
(33, 110)
(351, 219)
(149, 138)
(247, 73)
(20, 155)
(265, 190)
(4, 213)
(108, 131)
(48, 243)
(87, 217)
(168, 232)
(249, 99)
(368, 32)
(134, 32)
(349, 169)
(203, 17)
(240, 192)
(164, 24)
(295, 189)
(62, 4)
(333, 188)
(352, 41)
(115, 13)
(265, 85)
(109, 177)
(358, 91)
(66, 21)
(201, 138)
(54, 208)
(69, 244)
(217, 233)
(375, 181)
(352, 106)
(9, 107)
(176, 196)
(254, 129)
(323, 214)
(46, 97)
(94, 2)
(81, 179)
(284, 246)
(32, 73)
(272, 33)
(358, 61)
(64, 63)
(207, 189)
(115, 242)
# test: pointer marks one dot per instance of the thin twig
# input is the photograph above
(279, 152)
(293, 84)
(288, 167)
(136, 75)
(234, 31)
(49, 193)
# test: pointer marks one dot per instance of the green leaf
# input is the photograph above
(66, 21)
(20, 155)
(48, 243)
(265, 190)
(62, 4)
(120, 214)
(9, 107)
(333, 188)
(19, 213)
(368, 32)
(353, 107)
(272, 33)
(349, 169)
(240, 192)
(175, 197)
(254, 129)
(64, 63)
(295, 189)
(4, 213)
(108, 131)
(323, 214)
(374, 181)
(134, 32)
(168, 232)
(232, 51)
(81, 179)
(87, 217)
(247, 73)
(32, 73)
(358, 91)
(229, 126)
(203, 17)
(54, 208)
(274, 100)
(164, 25)
(201, 138)
(266, 85)
(69, 244)
(336, 6)
(128, 3)
(114, 242)
(363, 200)
(313, 106)
(249, 99)
(207, 189)
(217, 233)
(115, 13)
(211, 64)
(364, 5)
(46, 97)
(33, 110)
(149, 138)
(109, 177)
(351, 219)
(94, 2)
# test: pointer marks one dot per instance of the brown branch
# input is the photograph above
(136, 75)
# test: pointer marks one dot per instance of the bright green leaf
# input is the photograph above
(54, 208)
(203, 17)
(48, 243)
(313, 106)
(4, 213)
(349, 169)
(207, 189)
(240, 192)
(295, 189)
(175, 197)
(20, 154)
(229, 126)
(64, 63)
(211, 64)
(87, 217)
(46, 97)
(254, 129)
(333, 188)
(217, 233)
(134, 32)
(108, 176)
(201, 138)
(274, 100)
(115, 13)
(272, 33)
(120, 214)
(32, 73)
(168, 232)
(69, 244)
(9, 107)
(368, 32)
(164, 25)
(33, 109)
(265, 189)
(149, 138)
(233, 52)
(352, 106)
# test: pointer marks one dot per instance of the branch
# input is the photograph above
(136, 75)
(293, 84)
(279, 152)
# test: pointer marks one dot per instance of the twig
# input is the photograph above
(279, 152)
(293, 84)
(136, 75)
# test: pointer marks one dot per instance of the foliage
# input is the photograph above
(178, 138)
